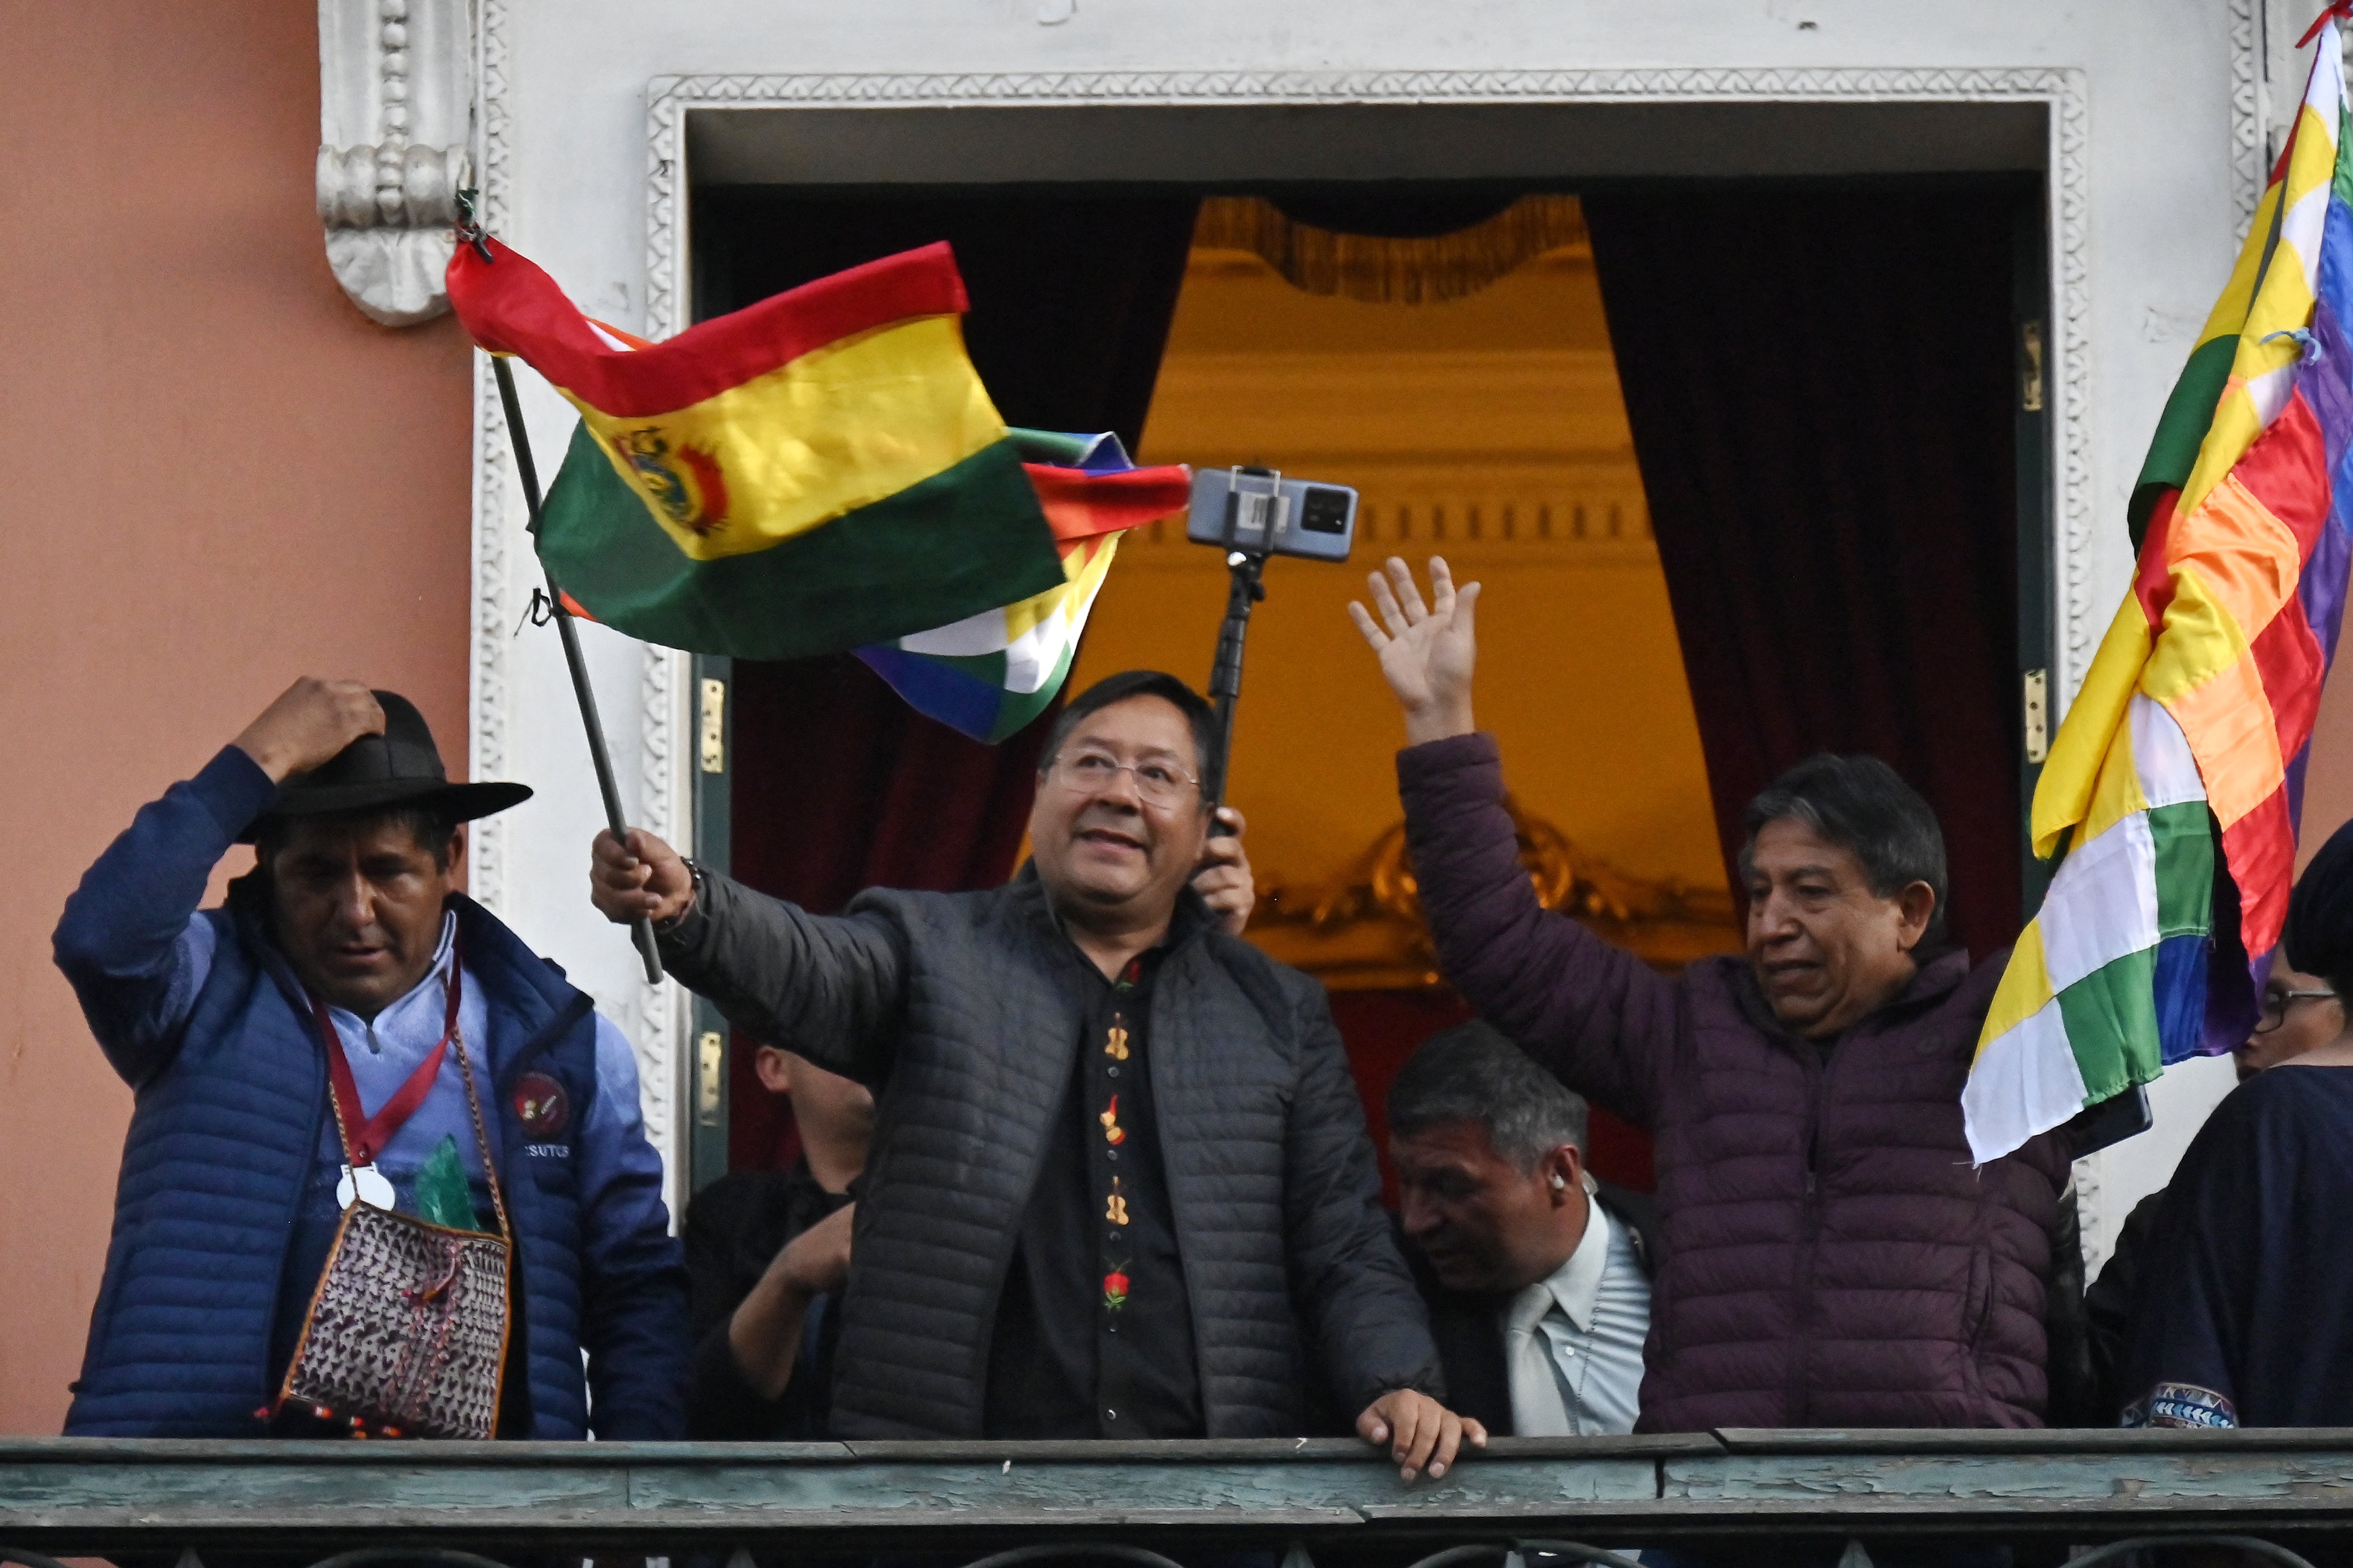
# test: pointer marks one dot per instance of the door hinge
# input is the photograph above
(2038, 715)
(2030, 345)
(709, 1064)
(713, 729)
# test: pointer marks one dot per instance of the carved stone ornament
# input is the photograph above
(396, 113)
(1364, 931)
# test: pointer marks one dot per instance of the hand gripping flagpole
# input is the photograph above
(641, 929)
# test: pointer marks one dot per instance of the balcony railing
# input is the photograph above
(1315, 1502)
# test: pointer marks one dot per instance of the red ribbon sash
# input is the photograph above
(366, 1136)
(2340, 9)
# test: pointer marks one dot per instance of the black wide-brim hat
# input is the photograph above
(400, 767)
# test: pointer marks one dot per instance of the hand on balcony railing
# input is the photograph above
(1421, 1433)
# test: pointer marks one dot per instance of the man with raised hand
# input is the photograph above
(1120, 1184)
(1831, 1258)
(347, 975)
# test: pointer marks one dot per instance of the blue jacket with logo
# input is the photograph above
(204, 1019)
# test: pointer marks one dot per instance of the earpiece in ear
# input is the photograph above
(1559, 1182)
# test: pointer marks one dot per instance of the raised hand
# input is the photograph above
(1425, 654)
(644, 877)
(311, 721)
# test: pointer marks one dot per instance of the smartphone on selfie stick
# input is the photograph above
(1252, 513)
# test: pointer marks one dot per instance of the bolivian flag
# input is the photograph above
(988, 674)
(2174, 784)
(816, 471)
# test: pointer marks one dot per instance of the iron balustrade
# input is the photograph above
(1311, 1501)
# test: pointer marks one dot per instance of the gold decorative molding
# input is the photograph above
(1380, 270)
(1367, 932)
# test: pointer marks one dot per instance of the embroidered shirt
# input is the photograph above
(1094, 1332)
(1598, 1317)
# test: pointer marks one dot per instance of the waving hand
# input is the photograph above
(1426, 653)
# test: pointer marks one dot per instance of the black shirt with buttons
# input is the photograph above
(1093, 1335)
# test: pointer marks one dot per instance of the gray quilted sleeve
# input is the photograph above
(1364, 1319)
(828, 987)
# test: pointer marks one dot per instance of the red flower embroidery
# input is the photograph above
(1114, 1289)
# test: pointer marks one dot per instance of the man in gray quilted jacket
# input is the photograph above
(1120, 1184)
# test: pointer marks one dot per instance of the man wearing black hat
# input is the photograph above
(299, 1049)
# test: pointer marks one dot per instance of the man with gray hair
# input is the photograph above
(1831, 1258)
(1538, 1278)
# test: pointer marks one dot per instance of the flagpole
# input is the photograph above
(641, 929)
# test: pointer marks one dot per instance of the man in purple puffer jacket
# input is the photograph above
(1831, 1259)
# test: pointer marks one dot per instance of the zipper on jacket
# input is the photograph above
(1815, 1064)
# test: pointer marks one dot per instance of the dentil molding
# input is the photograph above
(396, 118)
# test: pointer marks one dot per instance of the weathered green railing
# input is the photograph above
(1332, 1500)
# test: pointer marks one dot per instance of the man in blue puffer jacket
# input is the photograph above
(350, 938)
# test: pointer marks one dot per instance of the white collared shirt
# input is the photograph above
(1598, 1315)
(384, 1051)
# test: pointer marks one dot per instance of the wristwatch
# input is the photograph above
(694, 874)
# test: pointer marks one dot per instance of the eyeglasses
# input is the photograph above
(1092, 773)
(2276, 1002)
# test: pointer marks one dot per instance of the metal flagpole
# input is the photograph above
(641, 929)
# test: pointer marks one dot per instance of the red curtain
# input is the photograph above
(839, 785)
(1382, 1028)
(1820, 383)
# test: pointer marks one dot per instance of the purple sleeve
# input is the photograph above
(1603, 1021)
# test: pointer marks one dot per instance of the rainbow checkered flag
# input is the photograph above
(2175, 781)
(990, 673)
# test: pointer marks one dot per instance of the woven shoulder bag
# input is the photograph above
(407, 1333)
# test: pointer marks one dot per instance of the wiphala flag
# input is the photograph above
(990, 673)
(2174, 784)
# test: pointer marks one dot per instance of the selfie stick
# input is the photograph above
(641, 929)
(1226, 673)
(1246, 568)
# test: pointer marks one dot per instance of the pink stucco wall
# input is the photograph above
(222, 477)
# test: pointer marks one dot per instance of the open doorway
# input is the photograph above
(1740, 462)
